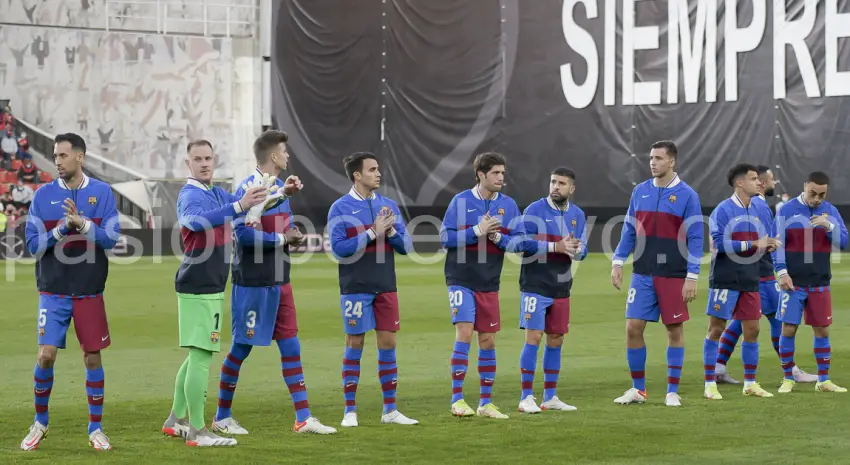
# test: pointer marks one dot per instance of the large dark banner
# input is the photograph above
(590, 84)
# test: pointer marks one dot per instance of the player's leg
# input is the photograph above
(719, 310)
(791, 304)
(726, 346)
(200, 331)
(92, 331)
(769, 308)
(177, 424)
(462, 305)
(557, 325)
(641, 307)
(387, 323)
(358, 317)
(818, 314)
(748, 312)
(532, 318)
(674, 312)
(286, 335)
(248, 314)
(487, 324)
(54, 317)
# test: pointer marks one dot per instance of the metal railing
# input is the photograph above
(210, 18)
(96, 166)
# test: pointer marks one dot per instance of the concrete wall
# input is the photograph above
(137, 98)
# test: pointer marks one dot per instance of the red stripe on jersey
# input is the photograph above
(276, 223)
(807, 240)
(215, 237)
(659, 224)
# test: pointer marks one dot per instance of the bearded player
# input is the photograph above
(555, 237)
(480, 225)
(662, 212)
(72, 222)
(263, 306)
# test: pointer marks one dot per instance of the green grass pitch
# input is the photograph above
(803, 427)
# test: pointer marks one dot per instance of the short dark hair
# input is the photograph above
(738, 171)
(267, 142)
(565, 172)
(484, 162)
(818, 177)
(76, 141)
(761, 169)
(198, 143)
(354, 163)
(668, 146)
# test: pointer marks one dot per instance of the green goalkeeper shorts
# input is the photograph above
(200, 316)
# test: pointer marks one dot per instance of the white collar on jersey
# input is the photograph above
(552, 204)
(83, 184)
(737, 200)
(802, 200)
(353, 192)
(477, 194)
(194, 182)
(673, 182)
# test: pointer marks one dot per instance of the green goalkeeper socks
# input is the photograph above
(195, 386)
(179, 408)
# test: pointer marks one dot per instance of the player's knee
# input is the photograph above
(463, 332)
(716, 327)
(486, 341)
(46, 356)
(355, 341)
(92, 360)
(634, 332)
(554, 340)
(821, 331)
(676, 334)
(533, 337)
(789, 330)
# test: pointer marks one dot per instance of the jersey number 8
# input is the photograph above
(353, 309)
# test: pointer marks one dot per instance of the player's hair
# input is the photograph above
(668, 146)
(761, 169)
(565, 172)
(267, 142)
(77, 142)
(738, 171)
(198, 143)
(484, 162)
(354, 163)
(818, 177)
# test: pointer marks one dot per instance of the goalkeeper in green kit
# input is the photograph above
(205, 213)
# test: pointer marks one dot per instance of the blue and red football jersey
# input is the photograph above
(734, 228)
(805, 251)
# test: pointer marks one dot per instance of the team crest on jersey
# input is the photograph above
(249, 334)
(501, 211)
(92, 200)
(41, 331)
(716, 307)
(385, 210)
(672, 199)
(352, 323)
(573, 222)
(215, 337)
(527, 316)
(454, 311)
(824, 214)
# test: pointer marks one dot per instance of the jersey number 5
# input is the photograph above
(353, 309)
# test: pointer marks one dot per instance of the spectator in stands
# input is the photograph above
(6, 119)
(22, 195)
(9, 147)
(11, 216)
(23, 144)
(6, 198)
(28, 173)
